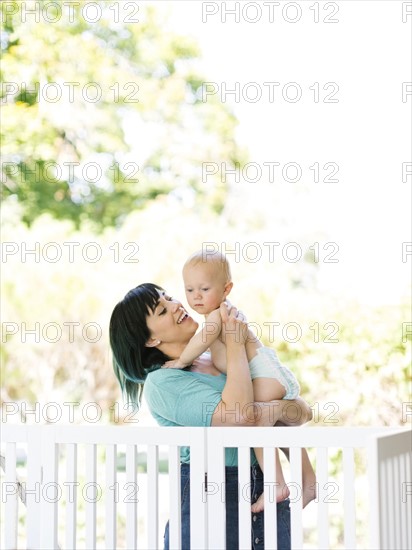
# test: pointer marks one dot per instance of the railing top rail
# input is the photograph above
(107, 434)
(15, 433)
(240, 436)
(302, 437)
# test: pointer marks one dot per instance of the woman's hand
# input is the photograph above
(284, 412)
(174, 364)
(234, 325)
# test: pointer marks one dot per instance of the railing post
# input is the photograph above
(386, 480)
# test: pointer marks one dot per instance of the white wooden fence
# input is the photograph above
(50, 491)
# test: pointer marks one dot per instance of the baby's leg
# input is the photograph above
(308, 478)
(282, 490)
(252, 345)
(269, 389)
(218, 351)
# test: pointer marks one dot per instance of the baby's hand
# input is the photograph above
(175, 364)
(234, 324)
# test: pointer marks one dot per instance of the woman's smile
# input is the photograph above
(183, 317)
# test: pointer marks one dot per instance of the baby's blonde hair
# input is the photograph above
(217, 259)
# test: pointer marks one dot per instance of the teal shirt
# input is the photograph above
(183, 398)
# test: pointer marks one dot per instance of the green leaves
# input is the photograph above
(122, 93)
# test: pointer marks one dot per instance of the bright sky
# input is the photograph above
(367, 133)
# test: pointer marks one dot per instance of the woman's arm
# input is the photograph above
(202, 340)
(283, 413)
(237, 407)
(237, 395)
(199, 343)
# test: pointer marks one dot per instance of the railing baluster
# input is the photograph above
(216, 491)
(153, 497)
(34, 479)
(198, 495)
(111, 496)
(131, 504)
(404, 519)
(383, 516)
(245, 526)
(296, 503)
(50, 490)
(91, 496)
(397, 493)
(270, 498)
(71, 499)
(11, 508)
(323, 511)
(174, 498)
(391, 504)
(349, 498)
(407, 497)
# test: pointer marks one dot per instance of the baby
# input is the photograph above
(208, 282)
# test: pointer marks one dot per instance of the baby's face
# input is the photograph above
(205, 287)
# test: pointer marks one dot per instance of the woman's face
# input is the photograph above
(169, 322)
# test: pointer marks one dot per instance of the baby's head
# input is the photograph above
(207, 280)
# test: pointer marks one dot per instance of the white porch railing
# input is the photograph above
(52, 491)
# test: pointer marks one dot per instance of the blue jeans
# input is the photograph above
(232, 534)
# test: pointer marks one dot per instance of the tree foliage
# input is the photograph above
(100, 118)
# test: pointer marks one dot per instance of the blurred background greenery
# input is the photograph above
(104, 134)
(145, 206)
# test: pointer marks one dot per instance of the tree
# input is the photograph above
(101, 117)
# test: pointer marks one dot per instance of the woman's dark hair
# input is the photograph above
(132, 360)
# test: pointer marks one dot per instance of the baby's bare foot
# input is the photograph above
(258, 505)
(281, 494)
(309, 492)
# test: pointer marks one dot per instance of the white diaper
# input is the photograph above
(266, 364)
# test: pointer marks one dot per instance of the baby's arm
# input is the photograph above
(252, 345)
(200, 342)
(218, 350)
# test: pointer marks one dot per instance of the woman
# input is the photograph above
(148, 328)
